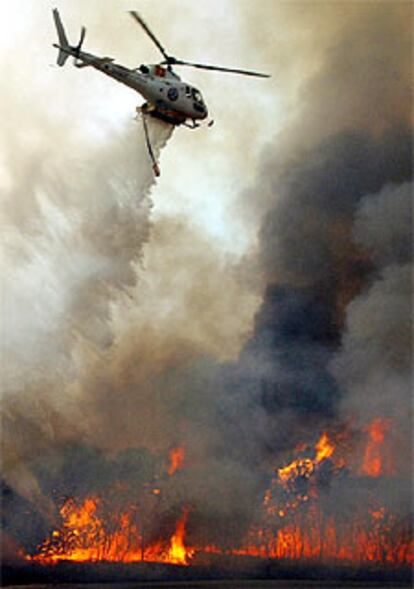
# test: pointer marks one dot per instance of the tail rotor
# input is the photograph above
(82, 37)
(78, 47)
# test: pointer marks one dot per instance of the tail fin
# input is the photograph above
(63, 40)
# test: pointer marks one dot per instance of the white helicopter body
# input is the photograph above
(168, 97)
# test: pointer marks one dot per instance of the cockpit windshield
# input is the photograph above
(197, 95)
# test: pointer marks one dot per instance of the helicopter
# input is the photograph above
(168, 98)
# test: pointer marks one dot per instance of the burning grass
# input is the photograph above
(298, 520)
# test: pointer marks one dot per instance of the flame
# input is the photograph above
(373, 462)
(294, 522)
(300, 467)
(304, 467)
(177, 456)
(178, 553)
(85, 537)
(294, 525)
(314, 537)
(324, 448)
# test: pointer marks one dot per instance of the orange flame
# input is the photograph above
(294, 523)
(178, 553)
(373, 463)
(85, 537)
(311, 536)
(304, 467)
(177, 456)
(324, 448)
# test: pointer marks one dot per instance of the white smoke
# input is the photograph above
(64, 268)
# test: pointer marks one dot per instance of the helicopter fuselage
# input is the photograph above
(167, 96)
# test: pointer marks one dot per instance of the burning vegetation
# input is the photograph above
(91, 533)
(298, 518)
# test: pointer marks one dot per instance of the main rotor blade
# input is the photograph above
(219, 69)
(143, 24)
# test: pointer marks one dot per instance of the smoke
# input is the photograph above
(383, 225)
(374, 366)
(94, 311)
(63, 275)
(332, 340)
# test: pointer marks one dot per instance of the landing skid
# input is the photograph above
(193, 126)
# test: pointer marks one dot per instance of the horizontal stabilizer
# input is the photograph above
(103, 60)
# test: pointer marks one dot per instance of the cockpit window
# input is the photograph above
(197, 96)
